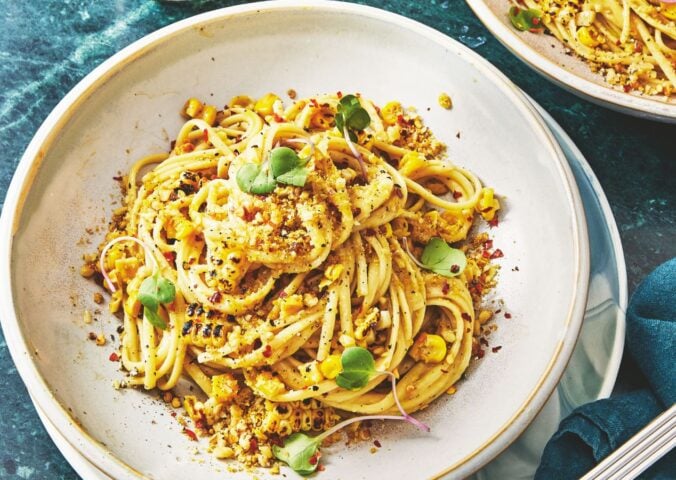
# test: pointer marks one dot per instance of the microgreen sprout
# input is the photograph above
(526, 19)
(301, 452)
(284, 166)
(352, 117)
(154, 290)
(440, 258)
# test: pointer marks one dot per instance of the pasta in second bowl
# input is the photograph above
(127, 109)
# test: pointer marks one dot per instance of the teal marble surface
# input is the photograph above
(47, 46)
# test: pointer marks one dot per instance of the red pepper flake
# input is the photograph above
(215, 297)
(92, 336)
(314, 103)
(457, 195)
(187, 147)
(114, 357)
(508, 315)
(339, 94)
(377, 443)
(494, 222)
(445, 288)
(465, 316)
(496, 349)
(536, 21)
(190, 434)
(282, 294)
(253, 445)
(488, 244)
(170, 256)
(278, 118)
(400, 118)
(117, 178)
(171, 306)
(486, 254)
(498, 311)
(321, 468)
(248, 214)
(313, 460)
(398, 192)
(483, 341)
(627, 88)
(173, 414)
(267, 352)
(477, 351)
(455, 268)
(497, 253)
(205, 135)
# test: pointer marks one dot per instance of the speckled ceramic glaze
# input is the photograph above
(129, 107)
(546, 55)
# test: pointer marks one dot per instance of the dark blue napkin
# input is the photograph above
(593, 431)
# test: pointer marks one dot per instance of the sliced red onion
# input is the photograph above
(354, 150)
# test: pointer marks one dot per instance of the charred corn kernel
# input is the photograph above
(321, 119)
(176, 402)
(98, 298)
(311, 373)
(291, 305)
(167, 397)
(224, 387)
(668, 10)
(268, 385)
(484, 316)
(209, 114)
(100, 340)
(87, 317)
(331, 366)
(445, 101)
(243, 101)
(192, 108)
(87, 270)
(411, 162)
(390, 112)
(588, 36)
(429, 348)
(487, 204)
(264, 105)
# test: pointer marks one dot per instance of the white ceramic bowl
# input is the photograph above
(547, 56)
(129, 107)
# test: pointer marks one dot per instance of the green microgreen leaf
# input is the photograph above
(351, 114)
(155, 290)
(154, 318)
(282, 160)
(297, 452)
(263, 183)
(525, 19)
(358, 368)
(246, 176)
(295, 177)
(443, 259)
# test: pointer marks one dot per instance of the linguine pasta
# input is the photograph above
(632, 43)
(271, 288)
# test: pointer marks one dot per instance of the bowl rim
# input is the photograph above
(37, 149)
(603, 95)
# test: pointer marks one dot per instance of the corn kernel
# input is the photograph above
(183, 229)
(588, 36)
(100, 340)
(209, 114)
(484, 316)
(176, 402)
(268, 385)
(390, 112)
(429, 348)
(264, 105)
(87, 270)
(224, 387)
(411, 162)
(87, 317)
(192, 108)
(331, 366)
(445, 101)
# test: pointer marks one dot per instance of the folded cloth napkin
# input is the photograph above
(593, 431)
